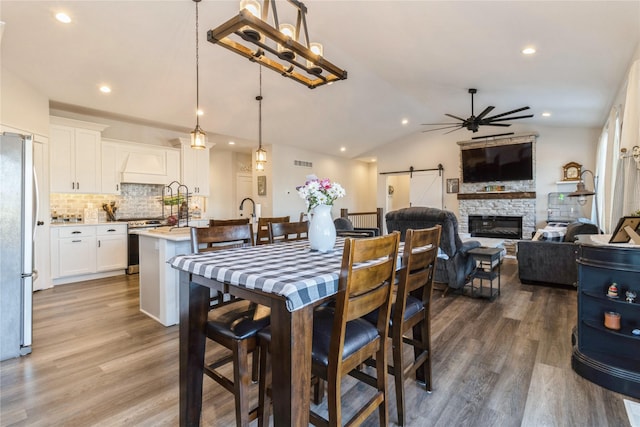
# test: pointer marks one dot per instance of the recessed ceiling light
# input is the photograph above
(546, 114)
(105, 89)
(232, 143)
(63, 17)
(373, 160)
(529, 50)
(343, 148)
(405, 121)
(199, 112)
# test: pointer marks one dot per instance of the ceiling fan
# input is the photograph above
(474, 122)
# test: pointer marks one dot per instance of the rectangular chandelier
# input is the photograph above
(254, 38)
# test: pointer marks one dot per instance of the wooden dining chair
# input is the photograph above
(234, 323)
(220, 237)
(342, 338)
(411, 311)
(235, 221)
(288, 231)
(262, 236)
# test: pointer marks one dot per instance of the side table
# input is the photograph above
(487, 268)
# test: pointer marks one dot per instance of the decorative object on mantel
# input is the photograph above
(571, 171)
(261, 154)
(474, 122)
(198, 137)
(295, 58)
(319, 195)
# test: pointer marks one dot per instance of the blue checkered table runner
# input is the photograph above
(290, 270)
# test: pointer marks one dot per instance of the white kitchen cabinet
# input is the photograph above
(110, 171)
(84, 252)
(195, 167)
(75, 156)
(73, 251)
(111, 247)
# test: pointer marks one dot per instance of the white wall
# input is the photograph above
(22, 106)
(555, 147)
(355, 176)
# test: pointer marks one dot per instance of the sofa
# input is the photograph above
(454, 263)
(542, 262)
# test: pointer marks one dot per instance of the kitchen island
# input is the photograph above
(158, 280)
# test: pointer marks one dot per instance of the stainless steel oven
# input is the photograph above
(134, 227)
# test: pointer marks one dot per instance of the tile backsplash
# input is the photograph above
(134, 201)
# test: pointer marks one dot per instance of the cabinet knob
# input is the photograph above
(40, 223)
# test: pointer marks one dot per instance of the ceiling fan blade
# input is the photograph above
(446, 127)
(485, 112)
(507, 113)
(497, 124)
(507, 118)
(438, 124)
(461, 127)
(456, 117)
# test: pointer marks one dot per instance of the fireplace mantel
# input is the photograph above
(497, 195)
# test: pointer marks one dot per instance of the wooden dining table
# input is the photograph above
(291, 279)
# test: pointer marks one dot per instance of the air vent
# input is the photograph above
(302, 163)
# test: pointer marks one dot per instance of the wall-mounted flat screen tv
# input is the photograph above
(513, 162)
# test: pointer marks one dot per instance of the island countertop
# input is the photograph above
(174, 234)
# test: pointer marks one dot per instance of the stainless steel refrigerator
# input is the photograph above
(18, 211)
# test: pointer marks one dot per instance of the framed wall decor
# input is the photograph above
(453, 185)
(262, 185)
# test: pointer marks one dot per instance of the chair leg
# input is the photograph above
(264, 383)
(381, 380)
(398, 374)
(318, 390)
(423, 372)
(241, 380)
(255, 365)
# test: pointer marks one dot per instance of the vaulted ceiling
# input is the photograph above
(409, 60)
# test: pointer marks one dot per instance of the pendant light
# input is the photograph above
(261, 154)
(198, 137)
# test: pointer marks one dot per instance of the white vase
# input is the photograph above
(322, 232)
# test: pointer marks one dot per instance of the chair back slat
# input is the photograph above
(288, 231)
(262, 237)
(419, 263)
(366, 278)
(235, 221)
(220, 237)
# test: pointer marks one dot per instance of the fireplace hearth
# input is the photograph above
(502, 227)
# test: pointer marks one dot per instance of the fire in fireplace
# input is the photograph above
(504, 227)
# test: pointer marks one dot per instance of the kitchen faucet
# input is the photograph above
(253, 213)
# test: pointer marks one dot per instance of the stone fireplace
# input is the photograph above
(514, 198)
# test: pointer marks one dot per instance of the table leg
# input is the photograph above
(194, 307)
(291, 364)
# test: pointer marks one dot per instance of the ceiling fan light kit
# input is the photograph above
(290, 55)
(474, 122)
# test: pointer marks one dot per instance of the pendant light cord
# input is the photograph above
(197, 69)
(259, 99)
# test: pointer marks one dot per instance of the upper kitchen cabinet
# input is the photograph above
(110, 172)
(75, 156)
(195, 167)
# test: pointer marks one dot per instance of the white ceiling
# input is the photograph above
(405, 59)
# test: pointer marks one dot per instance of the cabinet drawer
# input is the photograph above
(111, 229)
(76, 232)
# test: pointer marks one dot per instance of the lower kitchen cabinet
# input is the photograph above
(111, 251)
(83, 252)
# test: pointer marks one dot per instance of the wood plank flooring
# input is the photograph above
(98, 361)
